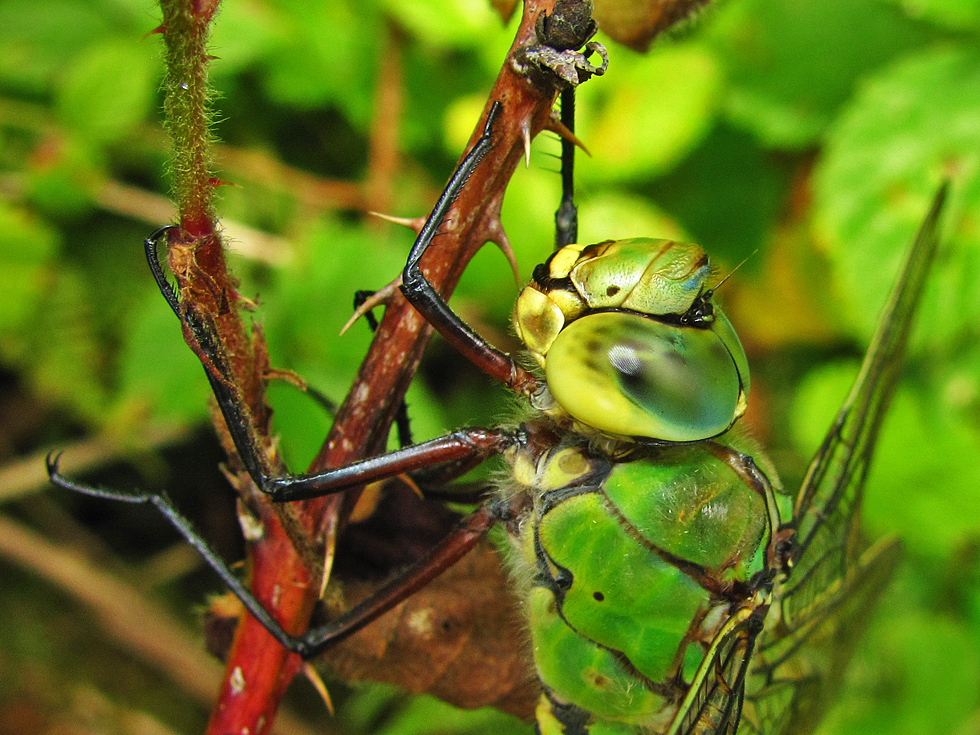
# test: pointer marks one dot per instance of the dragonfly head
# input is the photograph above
(631, 342)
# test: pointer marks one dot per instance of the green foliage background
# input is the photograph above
(806, 136)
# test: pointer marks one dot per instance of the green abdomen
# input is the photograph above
(632, 572)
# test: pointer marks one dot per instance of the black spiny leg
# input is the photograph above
(566, 218)
(163, 503)
(460, 449)
(434, 308)
(457, 544)
(465, 446)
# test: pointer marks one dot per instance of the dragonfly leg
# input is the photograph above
(444, 555)
(467, 446)
(462, 450)
(566, 218)
(201, 334)
(163, 503)
(450, 550)
(421, 294)
(453, 454)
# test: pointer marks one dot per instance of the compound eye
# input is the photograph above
(634, 376)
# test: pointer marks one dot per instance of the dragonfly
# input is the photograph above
(669, 586)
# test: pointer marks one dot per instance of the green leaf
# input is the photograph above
(615, 215)
(423, 715)
(312, 63)
(37, 37)
(792, 64)
(641, 121)
(923, 480)
(726, 194)
(449, 23)
(916, 674)
(109, 89)
(158, 373)
(956, 14)
(307, 303)
(909, 126)
(66, 183)
(245, 33)
(27, 250)
(59, 349)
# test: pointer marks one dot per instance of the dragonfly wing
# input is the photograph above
(713, 705)
(819, 608)
(789, 686)
(827, 507)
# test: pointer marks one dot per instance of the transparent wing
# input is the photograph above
(826, 510)
(713, 705)
(789, 686)
(819, 609)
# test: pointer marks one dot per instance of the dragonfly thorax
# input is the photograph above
(629, 572)
(630, 342)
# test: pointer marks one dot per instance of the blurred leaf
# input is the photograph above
(109, 89)
(244, 35)
(450, 23)
(59, 349)
(299, 422)
(958, 14)
(308, 302)
(792, 64)
(158, 374)
(919, 674)
(27, 248)
(459, 119)
(425, 715)
(311, 64)
(727, 194)
(66, 176)
(613, 215)
(916, 489)
(650, 114)
(911, 125)
(38, 36)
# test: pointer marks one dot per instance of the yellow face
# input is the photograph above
(630, 343)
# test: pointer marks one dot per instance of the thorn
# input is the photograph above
(247, 303)
(369, 499)
(407, 479)
(367, 502)
(413, 223)
(378, 298)
(329, 536)
(495, 233)
(161, 29)
(556, 126)
(526, 135)
(321, 688)
(287, 376)
(215, 182)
